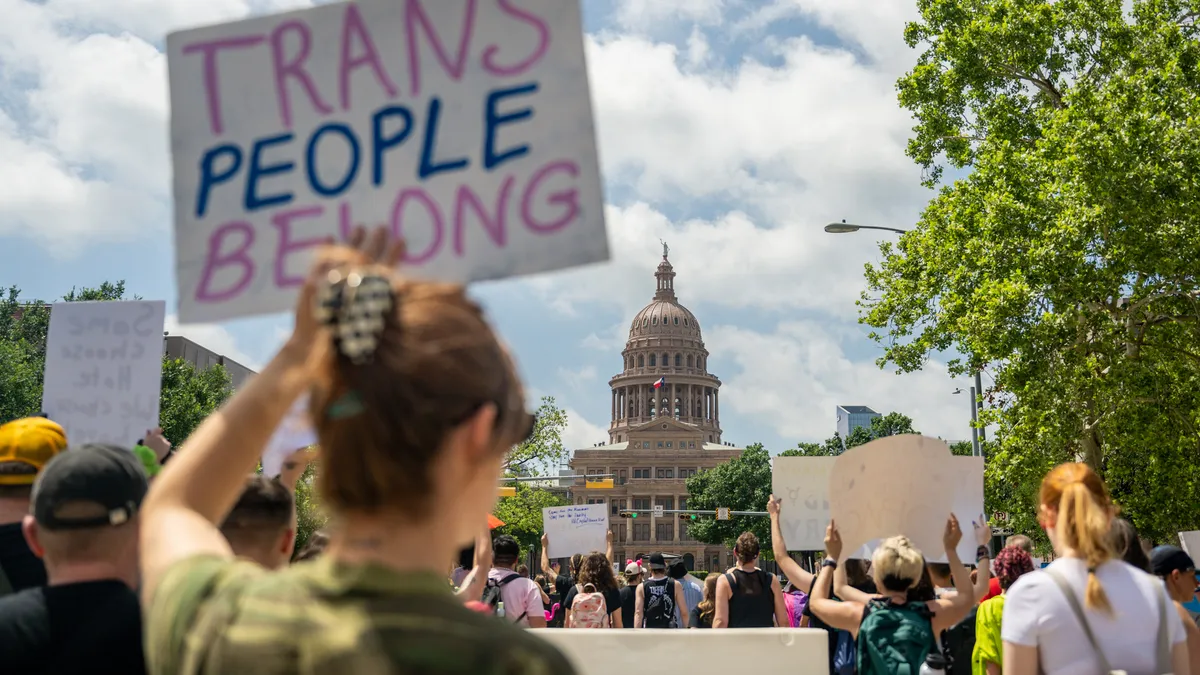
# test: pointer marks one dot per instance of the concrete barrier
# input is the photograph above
(796, 651)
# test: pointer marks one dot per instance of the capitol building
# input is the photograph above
(665, 426)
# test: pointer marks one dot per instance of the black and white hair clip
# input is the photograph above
(355, 307)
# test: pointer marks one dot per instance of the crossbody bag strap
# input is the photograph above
(1164, 636)
(1067, 591)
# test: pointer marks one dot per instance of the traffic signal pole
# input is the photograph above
(632, 513)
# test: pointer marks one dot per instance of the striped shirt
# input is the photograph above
(215, 616)
(692, 595)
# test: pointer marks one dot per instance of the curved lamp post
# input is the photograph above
(845, 228)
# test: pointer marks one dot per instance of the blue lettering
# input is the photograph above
(428, 167)
(492, 121)
(209, 177)
(380, 144)
(256, 172)
(314, 180)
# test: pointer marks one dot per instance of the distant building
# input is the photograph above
(665, 427)
(851, 417)
(179, 347)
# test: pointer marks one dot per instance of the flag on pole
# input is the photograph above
(661, 381)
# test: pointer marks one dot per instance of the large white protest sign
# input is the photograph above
(575, 529)
(966, 481)
(104, 369)
(464, 125)
(890, 486)
(802, 485)
(294, 432)
(796, 651)
(1190, 542)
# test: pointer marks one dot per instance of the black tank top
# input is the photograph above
(752, 604)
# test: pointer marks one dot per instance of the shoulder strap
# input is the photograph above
(1164, 633)
(733, 582)
(508, 579)
(1067, 591)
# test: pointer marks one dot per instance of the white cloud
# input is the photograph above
(642, 14)
(578, 378)
(580, 433)
(793, 377)
(213, 338)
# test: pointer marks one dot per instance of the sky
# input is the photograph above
(732, 129)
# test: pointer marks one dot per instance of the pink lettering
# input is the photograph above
(285, 69)
(414, 14)
(212, 88)
(283, 221)
(215, 260)
(353, 29)
(568, 198)
(543, 42)
(398, 223)
(494, 227)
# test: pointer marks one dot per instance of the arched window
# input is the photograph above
(689, 361)
(666, 360)
(654, 321)
(679, 360)
(645, 322)
(685, 322)
(653, 360)
(678, 407)
(676, 321)
(641, 361)
(710, 438)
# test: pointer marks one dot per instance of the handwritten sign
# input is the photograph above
(802, 485)
(104, 370)
(294, 432)
(890, 486)
(465, 125)
(575, 529)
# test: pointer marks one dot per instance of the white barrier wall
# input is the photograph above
(796, 651)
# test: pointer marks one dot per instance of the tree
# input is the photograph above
(1067, 260)
(310, 518)
(190, 395)
(741, 484)
(522, 514)
(891, 424)
(544, 448)
(962, 449)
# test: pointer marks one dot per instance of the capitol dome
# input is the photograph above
(664, 316)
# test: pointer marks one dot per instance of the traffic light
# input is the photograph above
(628, 514)
(688, 516)
(506, 491)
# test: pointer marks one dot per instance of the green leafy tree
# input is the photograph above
(1067, 259)
(522, 513)
(741, 484)
(544, 448)
(961, 448)
(190, 395)
(310, 518)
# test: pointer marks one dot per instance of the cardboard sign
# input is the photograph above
(103, 373)
(464, 125)
(580, 528)
(1190, 542)
(895, 485)
(796, 651)
(966, 482)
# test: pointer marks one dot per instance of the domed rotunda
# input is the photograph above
(665, 368)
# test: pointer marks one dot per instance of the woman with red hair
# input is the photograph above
(1088, 612)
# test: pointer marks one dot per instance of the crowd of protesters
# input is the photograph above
(184, 562)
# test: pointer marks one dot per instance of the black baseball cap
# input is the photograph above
(108, 476)
(657, 562)
(1167, 559)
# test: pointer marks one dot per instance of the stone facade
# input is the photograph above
(665, 426)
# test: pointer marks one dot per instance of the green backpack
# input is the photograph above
(894, 639)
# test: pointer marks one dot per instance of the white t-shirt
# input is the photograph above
(520, 596)
(1036, 614)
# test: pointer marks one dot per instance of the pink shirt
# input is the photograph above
(520, 596)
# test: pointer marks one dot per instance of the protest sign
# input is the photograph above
(894, 485)
(966, 481)
(802, 486)
(464, 125)
(575, 529)
(294, 432)
(103, 372)
(1190, 542)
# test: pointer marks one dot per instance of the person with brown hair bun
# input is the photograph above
(1088, 611)
(748, 597)
(415, 403)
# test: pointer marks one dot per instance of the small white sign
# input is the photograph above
(103, 373)
(658, 510)
(466, 127)
(722, 513)
(294, 433)
(580, 528)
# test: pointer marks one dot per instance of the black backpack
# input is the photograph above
(958, 642)
(491, 594)
(660, 609)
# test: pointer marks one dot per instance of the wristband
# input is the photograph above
(829, 562)
(982, 552)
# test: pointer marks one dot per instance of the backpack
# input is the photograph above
(588, 609)
(492, 596)
(894, 638)
(796, 601)
(958, 642)
(660, 609)
(845, 653)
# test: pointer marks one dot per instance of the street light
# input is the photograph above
(974, 419)
(845, 228)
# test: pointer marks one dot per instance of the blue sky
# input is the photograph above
(732, 129)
